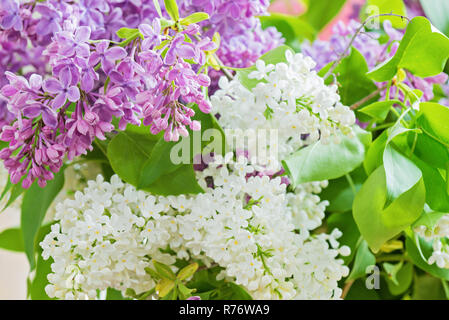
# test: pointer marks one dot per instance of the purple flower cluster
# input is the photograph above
(323, 52)
(154, 78)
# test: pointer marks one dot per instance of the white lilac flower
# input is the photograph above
(439, 235)
(290, 98)
(109, 234)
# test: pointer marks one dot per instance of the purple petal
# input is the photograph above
(82, 127)
(94, 59)
(87, 82)
(186, 52)
(146, 30)
(102, 46)
(82, 34)
(35, 81)
(115, 53)
(170, 57)
(50, 117)
(66, 77)
(59, 101)
(32, 111)
(73, 94)
(52, 86)
(8, 22)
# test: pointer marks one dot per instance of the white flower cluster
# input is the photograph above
(307, 209)
(108, 235)
(290, 98)
(439, 235)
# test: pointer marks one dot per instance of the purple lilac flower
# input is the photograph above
(62, 88)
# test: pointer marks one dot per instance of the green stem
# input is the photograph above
(351, 183)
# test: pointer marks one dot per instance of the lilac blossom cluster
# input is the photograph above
(375, 52)
(152, 78)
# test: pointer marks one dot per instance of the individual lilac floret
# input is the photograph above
(62, 88)
(12, 17)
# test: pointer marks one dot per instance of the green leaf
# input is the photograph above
(423, 51)
(164, 271)
(431, 151)
(374, 154)
(363, 259)
(359, 291)
(401, 278)
(427, 287)
(320, 12)
(427, 249)
(436, 195)
(187, 271)
(194, 18)
(172, 9)
(401, 173)
(238, 293)
(433, 119)
(294, 30)
(271, 57)
(35, 204)
(112, 294)
(15, 192)
(354, 85)
(181, 181)
(438, 13)
(392, 270)
(387, 6)
(11, 239)
(376, 224)
(127, 33)
(158, 164)
(134, 143)
(379, 110)
(37, 286)
(339, 192)
(320, 161)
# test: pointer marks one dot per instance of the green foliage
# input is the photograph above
(152, 168)
(320, 12)
(209, 288)
(293, 29)
(354, 85)
(423, 51)
(11, 239)
(378, 224)
(363, 259)
(128, 33)
(433, 120)
(35, 204)
(172, 9)
(400, 277)
(194, 18)
(378, 111)
(320, 161)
